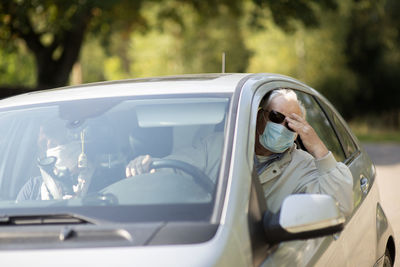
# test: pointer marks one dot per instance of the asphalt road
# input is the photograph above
(387, 161)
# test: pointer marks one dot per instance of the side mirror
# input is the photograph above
(303, 216)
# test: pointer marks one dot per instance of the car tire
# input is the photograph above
(387, 260)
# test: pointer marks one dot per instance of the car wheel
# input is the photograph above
(387, 260)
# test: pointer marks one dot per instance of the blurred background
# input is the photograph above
(348, 50)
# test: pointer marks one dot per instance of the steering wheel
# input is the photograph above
(199, 176)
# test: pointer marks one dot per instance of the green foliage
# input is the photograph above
(46, 19)
(155, 54)
(17, 66)
(285, 13)
(374, 55)
(187, 42)
(54, 30)
(348, 50)
(204, 41)
(314, 56)
(375, 128)
(92, 61)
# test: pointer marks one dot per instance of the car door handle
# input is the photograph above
(364, 184)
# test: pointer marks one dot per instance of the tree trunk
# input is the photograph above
(53, 73)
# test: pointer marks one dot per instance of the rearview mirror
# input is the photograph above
(303, 216)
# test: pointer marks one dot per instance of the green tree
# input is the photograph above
(203, 39)
(373, 49)
(285, 13)
(206, 36)
(54, 31)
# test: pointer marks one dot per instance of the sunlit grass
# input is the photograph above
(369, 133)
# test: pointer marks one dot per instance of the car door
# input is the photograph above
(304, 252)
(359, 238)
(331, 252)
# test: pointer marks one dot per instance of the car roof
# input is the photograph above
(181, 84)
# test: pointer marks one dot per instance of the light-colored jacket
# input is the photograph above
(299, 172)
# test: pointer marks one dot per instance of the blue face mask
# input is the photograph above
(276, 137)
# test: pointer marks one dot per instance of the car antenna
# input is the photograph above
(223, 62)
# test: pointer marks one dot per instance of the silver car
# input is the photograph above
(65, 199)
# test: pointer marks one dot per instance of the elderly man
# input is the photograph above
(283, 169)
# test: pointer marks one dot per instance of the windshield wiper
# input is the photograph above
(37, 219)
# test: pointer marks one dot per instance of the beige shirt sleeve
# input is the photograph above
(332, 178)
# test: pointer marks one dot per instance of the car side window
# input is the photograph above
(349, 145)
(318, 120)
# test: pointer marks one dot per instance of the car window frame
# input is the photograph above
(358, 195)
(332, 125)
(257, 204)
(261, 91)
(325, 104)
(264, 89)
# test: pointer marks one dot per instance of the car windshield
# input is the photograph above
(71, 157)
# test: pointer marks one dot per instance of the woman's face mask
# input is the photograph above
(276, 137)
(67, 155)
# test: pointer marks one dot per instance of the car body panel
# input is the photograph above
(170, 85)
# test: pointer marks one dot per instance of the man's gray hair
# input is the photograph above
(288, 93)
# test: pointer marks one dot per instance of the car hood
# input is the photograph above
(106, 235)
(179, 255)
(158, 244)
